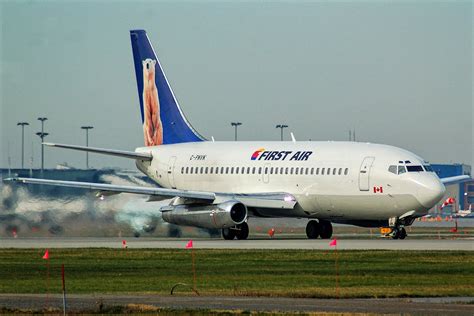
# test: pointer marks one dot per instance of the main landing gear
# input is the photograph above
(241, 232)
(321, 229)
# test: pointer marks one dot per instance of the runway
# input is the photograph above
(100, 302)
(466, 244)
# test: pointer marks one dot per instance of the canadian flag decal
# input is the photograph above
(378, 189)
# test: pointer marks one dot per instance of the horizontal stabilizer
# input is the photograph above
(111, 152)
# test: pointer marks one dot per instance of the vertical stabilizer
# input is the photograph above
(162, 118)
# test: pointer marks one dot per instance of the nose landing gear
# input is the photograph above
(397, 231)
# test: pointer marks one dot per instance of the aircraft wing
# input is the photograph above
(456, 179)
(263, 200)
(110, 189)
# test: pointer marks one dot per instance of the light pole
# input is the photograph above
(87, 128)
(42, 135)
(235, 124)
(22, 124)
(281, 127)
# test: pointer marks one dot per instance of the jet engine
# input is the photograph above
(223, 215)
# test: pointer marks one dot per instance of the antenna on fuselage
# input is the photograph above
(212, 138)
(293, 139)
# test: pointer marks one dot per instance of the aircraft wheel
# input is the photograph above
(243, 231)
(228, 234)
(403, 233)
(325, 229)
(396, 233)
(312, 229)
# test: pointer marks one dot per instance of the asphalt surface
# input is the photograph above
(419, 306)
(349, 244)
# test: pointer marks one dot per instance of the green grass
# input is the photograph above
(293, 273)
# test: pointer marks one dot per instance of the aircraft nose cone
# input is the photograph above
(430, 191)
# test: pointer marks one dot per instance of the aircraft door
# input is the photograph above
(171, 171)
(364, 173)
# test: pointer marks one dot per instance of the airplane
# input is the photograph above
(464, 213)
(219, 184)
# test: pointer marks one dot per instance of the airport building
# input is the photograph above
(463, 192)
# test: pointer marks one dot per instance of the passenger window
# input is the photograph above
(226, 170)
(322, 171)
(296, 170)
(401, 169)
(207, 170)
(276, 170)
(187, 170)
(211, 171)
(346, 171)
(222, 170)
(312, 171)
(317, 171)
(282, 170)
(253, 170)
(248, 170)
(232, 170)
(242, 170)
(259, 170)
(340, 171)
(291, 170)
(202, 170)
(191, 170)
(286, 170)
(392, 169)
(266, 170)
(334, 171)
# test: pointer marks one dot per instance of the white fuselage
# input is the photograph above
(359, 185)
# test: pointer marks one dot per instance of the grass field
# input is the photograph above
(292, 273)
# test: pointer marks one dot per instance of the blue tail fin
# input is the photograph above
(162, 119)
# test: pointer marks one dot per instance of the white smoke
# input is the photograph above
(81, 210)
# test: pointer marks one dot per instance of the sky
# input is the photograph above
(399, 73)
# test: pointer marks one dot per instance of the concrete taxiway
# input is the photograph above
(343, 244)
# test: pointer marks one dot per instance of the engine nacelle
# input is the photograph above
(224, 215)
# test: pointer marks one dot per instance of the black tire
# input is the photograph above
(228, 234)
(403, 233)
(325, 229)
(312, 229)
(243, 231)
(396, 233)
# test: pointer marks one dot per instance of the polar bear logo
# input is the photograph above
(152, 127)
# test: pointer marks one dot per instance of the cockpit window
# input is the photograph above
(401, 169)
(415, 168)
(392, 169)
(428, 168)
